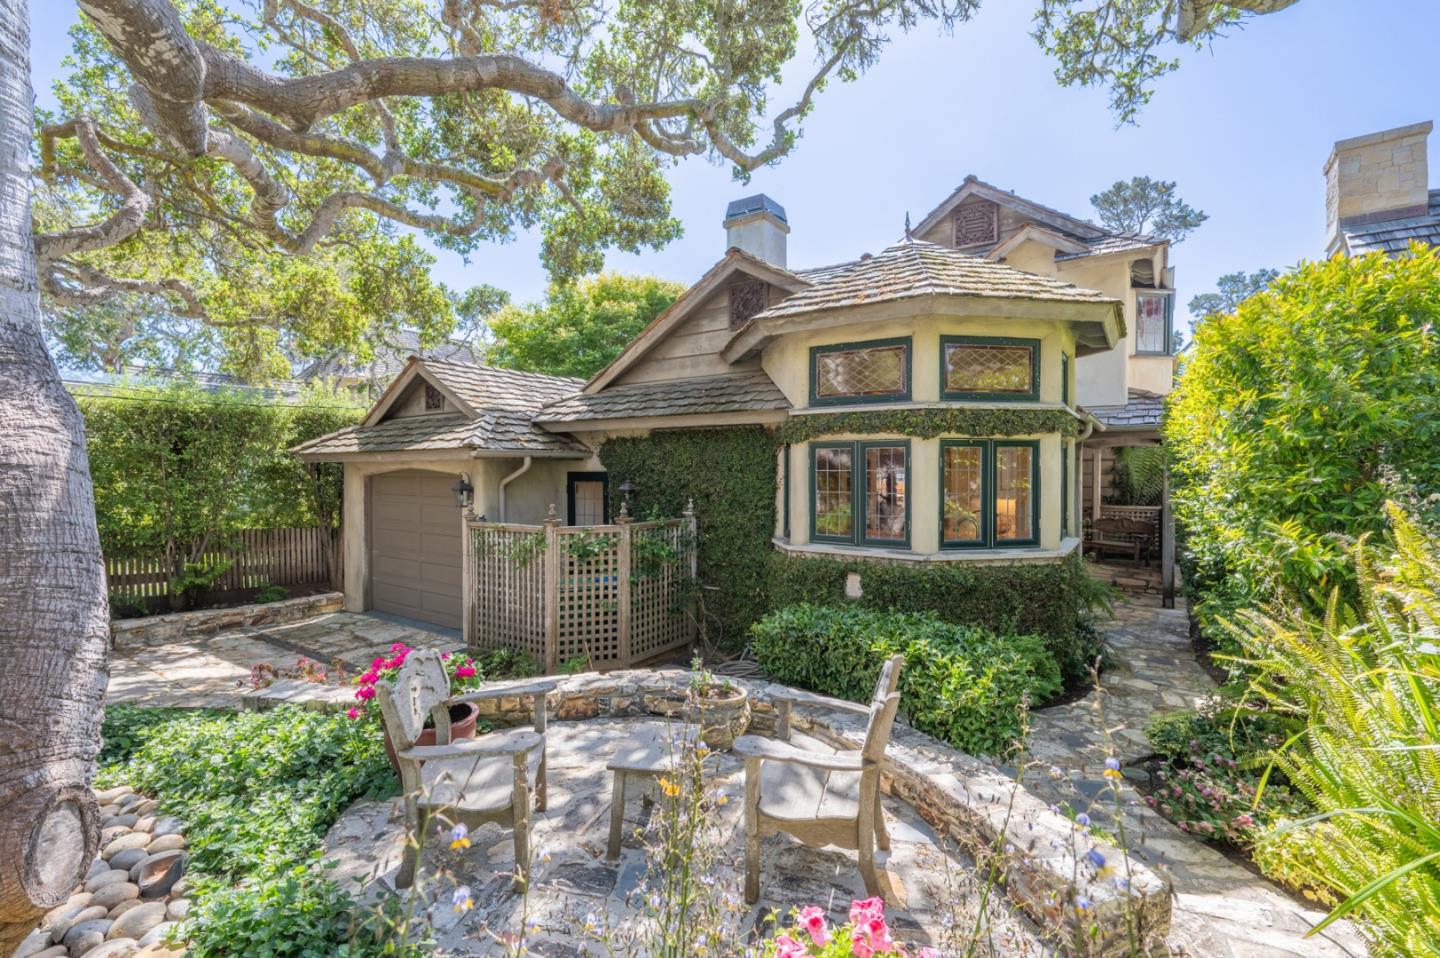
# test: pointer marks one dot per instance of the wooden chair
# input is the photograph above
(469, 781)
(818, 797)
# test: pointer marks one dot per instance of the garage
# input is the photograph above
(415, 547)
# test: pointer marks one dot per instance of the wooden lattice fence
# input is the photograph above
(613, 595)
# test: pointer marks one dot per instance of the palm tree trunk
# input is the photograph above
(54, 634)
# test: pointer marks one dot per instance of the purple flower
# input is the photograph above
(1095, 858)
(1113, 764)
(1082, 820)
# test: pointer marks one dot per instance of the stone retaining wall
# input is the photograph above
(154, 630)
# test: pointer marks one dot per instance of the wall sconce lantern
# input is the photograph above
(627, 492)
(464, 491)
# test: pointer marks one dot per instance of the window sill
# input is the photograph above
(1017, 554)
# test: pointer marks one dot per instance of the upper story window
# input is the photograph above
(875, 371)
(1154, 317)
(973, 367)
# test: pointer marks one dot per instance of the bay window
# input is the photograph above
(859, 492)
(875, 371)
(989, 493)
(976, 367)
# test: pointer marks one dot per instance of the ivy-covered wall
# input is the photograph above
(1044, 599)
(730, 474)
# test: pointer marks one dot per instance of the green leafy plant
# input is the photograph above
(271, 593)
(1140, 475)
(962, 684)
(1365, 681)
(196, 579)
(929, 423)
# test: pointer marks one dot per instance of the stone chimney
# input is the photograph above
(1376, 177)
(756, 225)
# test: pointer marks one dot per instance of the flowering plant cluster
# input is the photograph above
(865, 935)
(1213, 797)
(462, 672)
(263, 674)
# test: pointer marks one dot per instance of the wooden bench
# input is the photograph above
(1117, 534)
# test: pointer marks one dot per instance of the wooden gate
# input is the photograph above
(612, 595)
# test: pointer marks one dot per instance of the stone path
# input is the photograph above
(215, 671)
(934, 897)
(1222, 910)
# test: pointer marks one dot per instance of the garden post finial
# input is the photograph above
(552, 517)
(690, 508)
(624, 515)
(908, 237)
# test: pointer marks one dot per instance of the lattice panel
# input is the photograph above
(976, 222)
(508, 568)
(746, 299)
(589, 597)
(860, 372)
(984, 368)
(659, 613)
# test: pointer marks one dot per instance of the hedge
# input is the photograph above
(962, 684)
(1045, 599)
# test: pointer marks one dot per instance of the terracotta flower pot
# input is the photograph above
(462, 725)
(720, 720)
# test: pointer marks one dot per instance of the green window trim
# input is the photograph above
(858, 494)
(785, 494)
(1065, 380)
(1064, 488)
(852, 399)
(1168, 296)
(949, 394)
(989, 471)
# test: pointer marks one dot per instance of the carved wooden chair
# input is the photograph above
(468, 781)
(820, 798)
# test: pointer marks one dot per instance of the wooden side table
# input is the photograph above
(644, 760)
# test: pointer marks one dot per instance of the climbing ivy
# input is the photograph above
(929, 423)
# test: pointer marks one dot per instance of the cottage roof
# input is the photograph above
(489, 387)
(737, 392)
(1395, 236)
(1143, 411)
(974, 186)
(913, 269)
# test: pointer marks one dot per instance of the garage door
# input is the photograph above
(415, 547)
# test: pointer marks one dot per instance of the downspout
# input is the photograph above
(524, 468)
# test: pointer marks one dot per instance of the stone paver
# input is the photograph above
(1222, 910)
(931, 888)
(214, 670)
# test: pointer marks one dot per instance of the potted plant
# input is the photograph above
(464, 676)
(717, 706)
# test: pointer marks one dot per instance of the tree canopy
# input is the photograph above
(579, 328)
(1231, 290)
(1143, 205)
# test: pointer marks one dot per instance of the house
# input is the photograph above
(1377, 193)
(927, 400)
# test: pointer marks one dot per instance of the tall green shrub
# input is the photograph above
(730, 475)
(1293, 420)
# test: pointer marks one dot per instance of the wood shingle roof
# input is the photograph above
(738, 392)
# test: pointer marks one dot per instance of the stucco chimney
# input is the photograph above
(756, 225)
(1376, 177)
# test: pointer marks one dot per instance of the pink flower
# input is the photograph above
(353, 713)
(878, 933)
(812, 919)
(444, 656)
(859, 947)
(862, 911)
(370, 678)
(465, 672)
(927, 953)
(399, 647)
(787, 947)
(365, 693)
(379, 663)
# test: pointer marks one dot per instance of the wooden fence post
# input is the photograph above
(552, 590)
(467, 578)
(1167, 545)
(691, 529)
(622, 592)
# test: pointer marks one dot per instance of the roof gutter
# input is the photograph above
(524, 468)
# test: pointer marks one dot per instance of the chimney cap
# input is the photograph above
(759, 203)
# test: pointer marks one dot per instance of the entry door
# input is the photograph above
(587, 496)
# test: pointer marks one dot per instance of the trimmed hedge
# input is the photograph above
(730, 474)
(962, 684)
(1044, 599)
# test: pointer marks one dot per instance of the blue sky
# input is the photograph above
(1244, 129)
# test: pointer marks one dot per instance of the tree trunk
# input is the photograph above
(54, 633)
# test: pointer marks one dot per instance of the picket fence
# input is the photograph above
(258, 557)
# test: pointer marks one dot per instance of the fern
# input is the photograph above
(1366, 681)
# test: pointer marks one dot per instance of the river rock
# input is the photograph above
(128, 858)
(145, 823)
(122, 842)
(125, 801)
(112, 895)
(71, 907)
(108, 835)
(138, 920)
(167, 825)
(33, 944)
(165, 843)
(157, 933)
(88, 913)
(128, 820)
(96, 867)
(108, 811)
(158, 873)
(122, 908)
(86, 935)
(108, 877)
(147, 807)
(116, 948)
(159, 950)
(178, 909)
(110, 795)
(54, 951)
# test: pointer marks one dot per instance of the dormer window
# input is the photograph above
(746, 300)
(976, 223)
(434, 398)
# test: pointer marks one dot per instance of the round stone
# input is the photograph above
(178, 909)
(165, 843)
(125, 801)
(181, 888)
(109, 795)
(112, 895)
(54, 951)
(115, 948)
(109, 811)
(86, 935)
(108, 877)
(128, 820)
(147, 807)
(96, 867)
(72, 906)
(159, 949)
(122, 908)
(138, 920)
(33, 943)
(127, 859)
(157, 933)
(146, 823)
(122, 842)
(61, 928)
(108, 835)
(167, 825)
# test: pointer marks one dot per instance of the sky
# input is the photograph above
(1244, 129)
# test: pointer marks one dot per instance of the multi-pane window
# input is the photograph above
(877, 371)
(860, 492)
(989, 368)
(1152, 322)
(1065, 378)
(988, 492)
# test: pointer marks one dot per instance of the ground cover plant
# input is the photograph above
(964, 685)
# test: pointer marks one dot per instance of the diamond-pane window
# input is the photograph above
(864, 373)
(1014, 488)
(833, 492)
(859, 492)
(964, 491)
(991, 369)
(885, 493)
